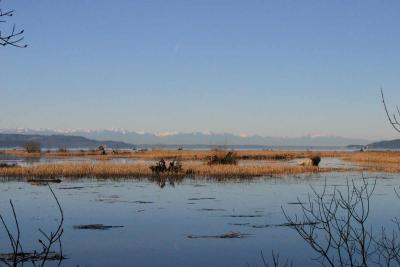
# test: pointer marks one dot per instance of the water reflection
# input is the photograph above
(46, 252)
(159, 215)
(29, 161)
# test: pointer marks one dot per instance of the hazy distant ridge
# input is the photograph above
(56, 141)
(390, 144)
(210, 139)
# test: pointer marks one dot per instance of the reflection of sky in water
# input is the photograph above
(155, 234)
(29, 161)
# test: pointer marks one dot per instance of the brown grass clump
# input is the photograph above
(238, 171)
(285, 155)
(386, 167)
(376, 161)
(373, 157)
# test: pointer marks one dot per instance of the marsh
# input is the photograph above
(148, 225)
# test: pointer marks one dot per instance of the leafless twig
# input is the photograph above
(393, 119)
(275, 261)
(13, 37)
(19, 257)
(334, 224)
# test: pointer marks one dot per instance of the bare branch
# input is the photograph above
(335, 226)
(392, 120)
(18, 257)
(14, 37)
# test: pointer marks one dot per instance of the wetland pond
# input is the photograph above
(143, 224)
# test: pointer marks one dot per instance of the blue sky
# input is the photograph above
(276, 68)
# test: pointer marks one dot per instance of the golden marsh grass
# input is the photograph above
(270, 163)
(116, 170)
(376, 161)
(373, 157)
(180, 154)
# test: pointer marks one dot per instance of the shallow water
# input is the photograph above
(157, 221)
(21, 161)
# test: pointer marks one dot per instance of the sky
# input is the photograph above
(273, 68)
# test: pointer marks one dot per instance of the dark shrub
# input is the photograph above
(62, 149)
(174, 167)
(190, 173)
(6, 165)
(220, 157)
(315, 160)
(160, 167)
(102, 150)
(33, 147)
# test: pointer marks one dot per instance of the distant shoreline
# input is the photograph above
(128, 140)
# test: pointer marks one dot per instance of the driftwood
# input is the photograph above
(96, 227)
(29, 257)
(7, 165)
(44, 181)
(226, 235)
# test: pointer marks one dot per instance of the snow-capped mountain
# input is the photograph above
(196, 138)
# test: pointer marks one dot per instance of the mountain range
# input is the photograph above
(387, 144)
(196, 138)
(8, 140)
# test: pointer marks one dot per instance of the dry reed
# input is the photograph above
(369, 161)
(116, 170)
(181, 154)
(376, 161)
(373, 157)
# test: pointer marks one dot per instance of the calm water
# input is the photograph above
(158, 220)
(21, 161)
